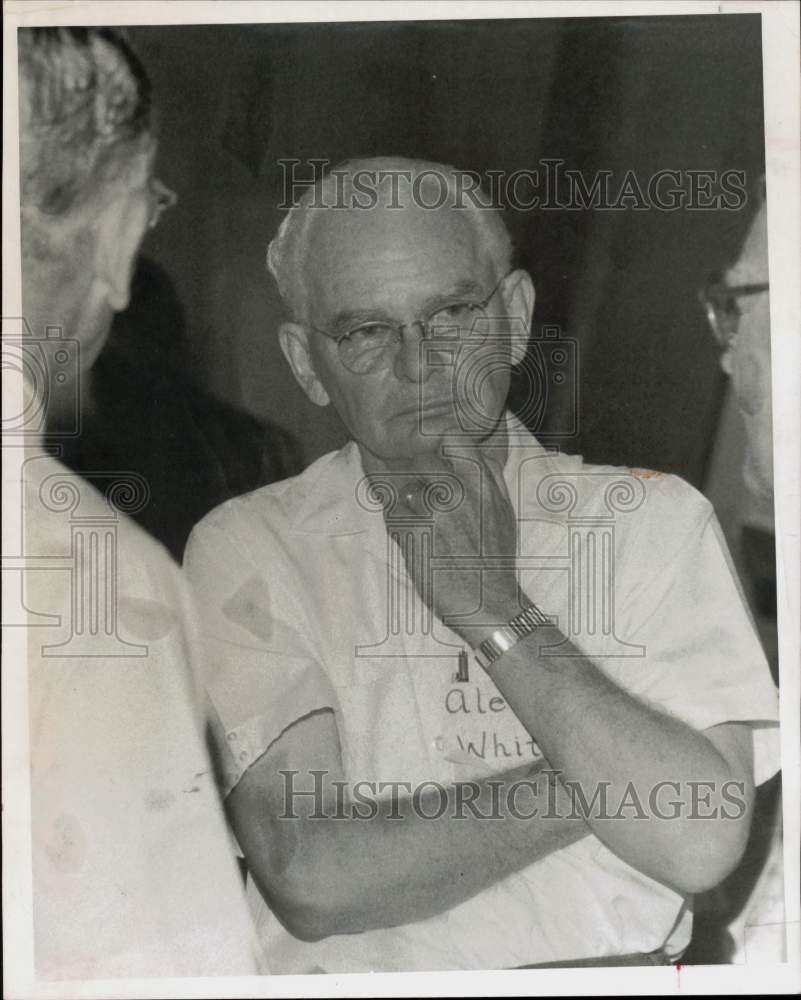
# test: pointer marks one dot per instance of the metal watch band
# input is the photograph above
(508, 635)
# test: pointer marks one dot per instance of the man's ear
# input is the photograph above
(518, 299)
(295, 345)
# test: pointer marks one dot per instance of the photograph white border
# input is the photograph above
(780, 33)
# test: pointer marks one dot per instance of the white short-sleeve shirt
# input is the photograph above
(134, 870)
(306, 605)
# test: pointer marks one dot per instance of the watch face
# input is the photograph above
(504, 639)
(509, 635)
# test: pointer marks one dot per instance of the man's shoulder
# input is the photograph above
(644, 504)
(277, 506)
(57, 502)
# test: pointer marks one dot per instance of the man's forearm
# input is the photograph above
(416, 857)
(613, 747)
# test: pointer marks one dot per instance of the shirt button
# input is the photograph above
(243, 755)
(438, 743)
(231, 737)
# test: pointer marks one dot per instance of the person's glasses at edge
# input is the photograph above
(363, 346)
(722, 309)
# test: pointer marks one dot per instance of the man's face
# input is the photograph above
(400, 265)
(116, 236)
(747, 360)
(134, 203)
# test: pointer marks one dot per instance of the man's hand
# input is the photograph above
(591, 730)
(474, 528)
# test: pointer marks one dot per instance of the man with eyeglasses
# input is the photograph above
(133, 873)
(738, 310)
(737, 305)
(413, 709)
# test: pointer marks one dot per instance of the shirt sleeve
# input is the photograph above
(702, 661)
(124, 810)
(259, 674)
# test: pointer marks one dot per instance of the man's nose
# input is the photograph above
(411, 363)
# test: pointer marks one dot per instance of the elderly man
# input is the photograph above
(738, 309)
(448, 745)
(133, 870)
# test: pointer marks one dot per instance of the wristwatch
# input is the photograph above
(508, 635)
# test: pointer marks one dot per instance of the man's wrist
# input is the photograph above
(505, 638)
(494, 613)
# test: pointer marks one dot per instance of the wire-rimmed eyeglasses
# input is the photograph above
(720, 301)
(370, 346)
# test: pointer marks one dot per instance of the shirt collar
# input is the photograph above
(329, 504)
(335, 504)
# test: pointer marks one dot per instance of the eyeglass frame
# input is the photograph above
(161, 199)
(717, 284)
(400, 327)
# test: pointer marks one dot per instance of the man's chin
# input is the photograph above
(434, 441)
(412, 434)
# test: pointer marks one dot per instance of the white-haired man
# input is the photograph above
(447, 743)
(133, 871)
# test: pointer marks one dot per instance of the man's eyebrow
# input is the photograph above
(466, 289)
(348, 318)
(466, 286)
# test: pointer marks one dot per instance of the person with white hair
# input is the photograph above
(133, 870)
(485, 705)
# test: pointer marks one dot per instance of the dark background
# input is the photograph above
(619, 94)
(192, 390)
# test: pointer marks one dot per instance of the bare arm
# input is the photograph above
(604, 740)
(678, 801)
(328, 871)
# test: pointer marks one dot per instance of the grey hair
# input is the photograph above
(286, 252)
(84, 100)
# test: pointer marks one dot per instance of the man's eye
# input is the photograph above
(455, 313)
(370, 335)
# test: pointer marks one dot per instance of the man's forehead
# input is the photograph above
(336, 227)
(141, 160)
(367, 242)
